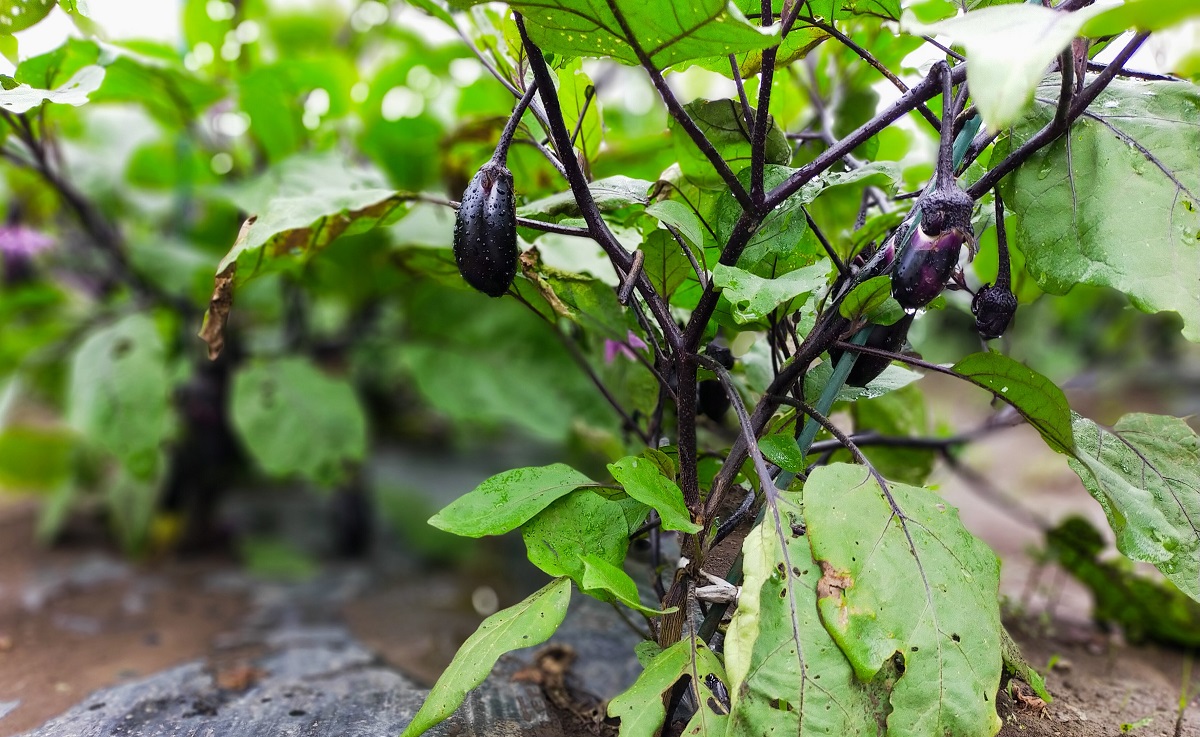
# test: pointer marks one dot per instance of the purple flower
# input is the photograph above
(613, 348)
(18, 240)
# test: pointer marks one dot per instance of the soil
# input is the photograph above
(74, 619)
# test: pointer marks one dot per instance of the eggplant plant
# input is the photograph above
(780, 253)
(688, 288)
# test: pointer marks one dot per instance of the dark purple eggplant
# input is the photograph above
(885, 337)
(485, 231)
(993, 307)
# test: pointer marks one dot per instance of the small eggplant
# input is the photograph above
(925, 264)
(885, 337)
(485, 231)
(993, 307)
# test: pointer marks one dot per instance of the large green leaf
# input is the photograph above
(508, 500)
(753, 298)
(1009, 47)
(904, 582)
(1038, 399)
(294, 419)
(1145, 472)
(786, 675)
(640, 707)
(643, 480)
(668, 32)
(526, 624)
(120, 393)
(1116, 202)
(579, 525)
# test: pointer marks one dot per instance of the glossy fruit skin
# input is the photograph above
(993, 307)
(485, 231)
(924, 266)
(885, 337)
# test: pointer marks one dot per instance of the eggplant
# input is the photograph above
(884, 337)
(485, 231)
(925, 265)
(993, 307)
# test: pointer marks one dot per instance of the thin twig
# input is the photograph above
(741, 89)
(635, 271)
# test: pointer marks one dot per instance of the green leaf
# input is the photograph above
(508, 500)
(667, 34)
(1038, 399)
(1009, 48)
(9, 48)
(294, 419)
(681, 217)
(610, 193)
(666, 266)
(640, 707)
(786, 675)
(723, 123)
(643, 481)
(1116, 202)
(131, 501)
(18, 15)
(601, 576)
(434, 8)
(1016, 665)
(577, 96)
(753, 298)
(1145, 472)
(902, 576)
(526, 624)
(782, 450)
(119, 396)
(75, 91)
(1141, 15)
(872, 302)
(579, 524)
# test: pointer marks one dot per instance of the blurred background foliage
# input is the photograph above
(117, 212)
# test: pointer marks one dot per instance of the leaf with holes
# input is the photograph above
(1145, 472)
(905, 585)
(1116, 202)
(640, 707)
(786, 675)
(526, 624)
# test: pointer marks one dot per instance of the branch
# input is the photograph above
(510, 128)
(597, 228)
(749, 435)
(1061, 122)
(741, 89)
(762, 118)
(680, 115)
(876, 64)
